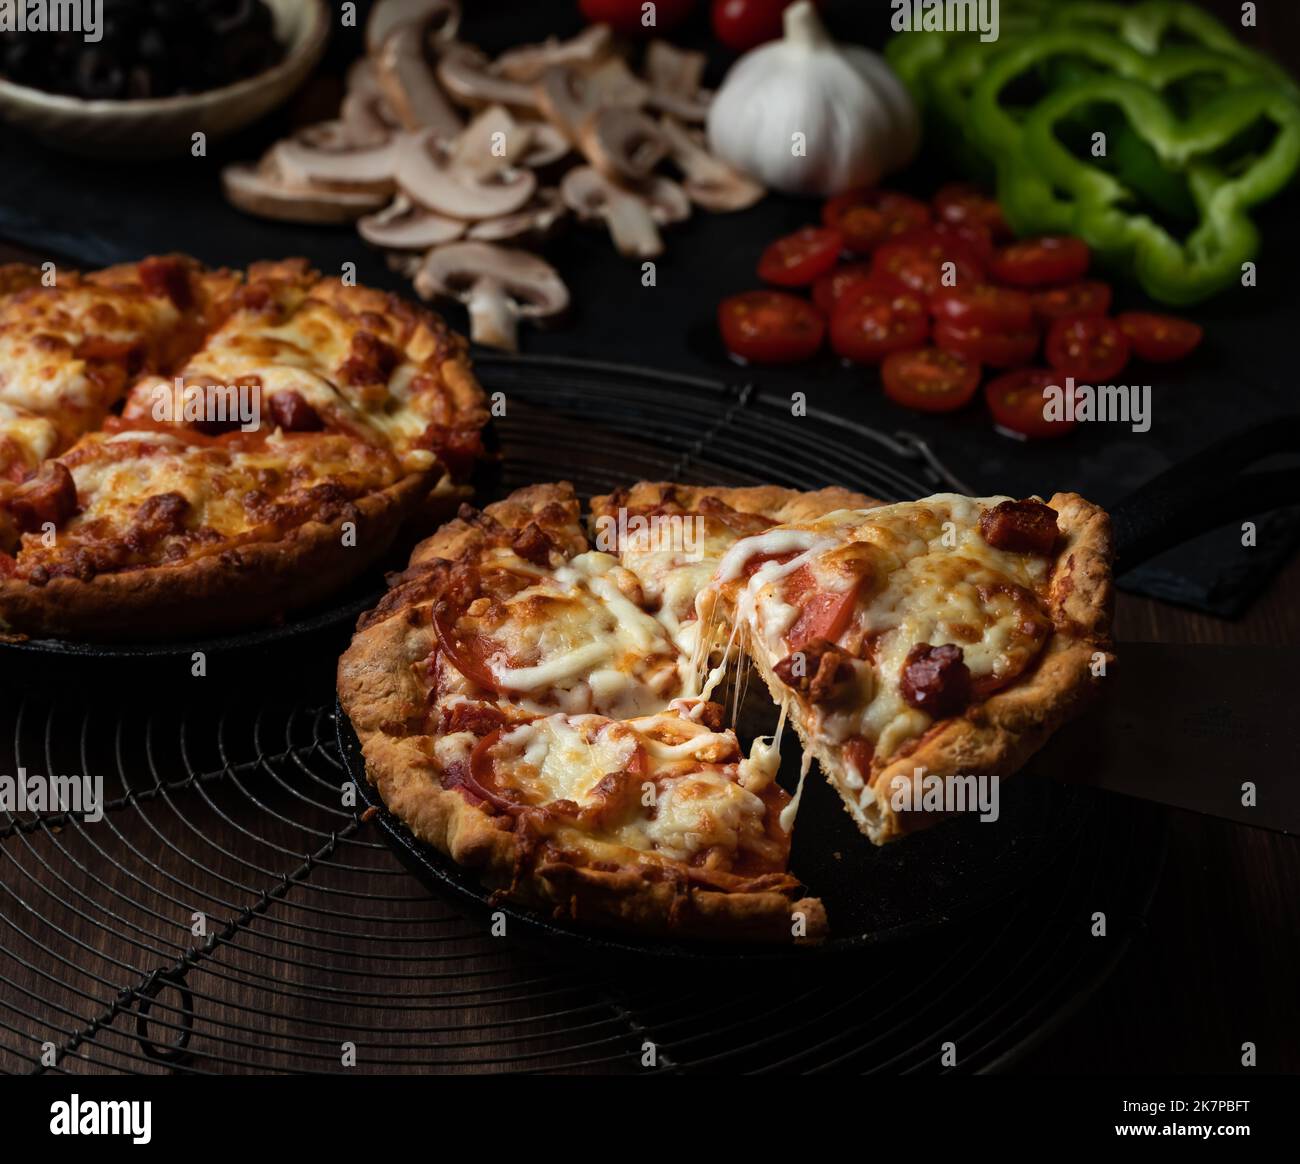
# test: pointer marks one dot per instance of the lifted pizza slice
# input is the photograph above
(946, 638)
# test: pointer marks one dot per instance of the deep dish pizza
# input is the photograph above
(193, 450)
(537, 699)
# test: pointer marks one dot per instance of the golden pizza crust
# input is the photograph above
(641, 891)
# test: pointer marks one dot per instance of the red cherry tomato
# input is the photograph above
(995, 347)
(823, 614)
(1159, 338)
(962, 204)
(1087, 297)
(871, 322)
(830, 287)
(985, 306)
(799, 258)
(970, 236)
(1019, 404)
(770, 327)
(1041, 262)
(742, 24)
(929, 379)
(1090, 348)
(625, 15)
(868, 217)
(919, 262)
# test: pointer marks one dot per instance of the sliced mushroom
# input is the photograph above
(529, 62)
(263, 191)
(439, 20)
(710, 182)
(547, 147)
(405, 226)
(631, 214)
(498, 285)
(466, 74)
(426, 176)
(569, 98)
(368, 118)
(623, 143)
(534, 222)
(329, 161)
(493, 141)
(409, 83)
(675, 75)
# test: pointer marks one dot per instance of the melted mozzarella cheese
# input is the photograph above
(565, 759)
(701, 810)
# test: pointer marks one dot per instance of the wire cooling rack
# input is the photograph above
(232, 913)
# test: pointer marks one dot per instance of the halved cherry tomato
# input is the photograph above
(920, 262)
(770, 327)
(1019, 404)
(1040, 262)
(823, 614)
(986, 306)
(1087, 297)
(868, 217)
(797, 259)
(830, 287)
(1088, 347)
(996, 347)
(961, 203)
(976, 239)
(1159, 338)
(870, 323)
(929, 379)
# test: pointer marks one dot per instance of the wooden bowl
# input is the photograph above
(159, 126)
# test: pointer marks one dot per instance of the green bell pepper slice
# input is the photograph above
(1224, 237)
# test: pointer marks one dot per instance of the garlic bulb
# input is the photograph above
(807, 116)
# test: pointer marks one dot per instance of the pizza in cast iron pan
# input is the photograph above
(533, 697)
(186, 451)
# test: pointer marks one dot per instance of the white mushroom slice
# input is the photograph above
(547, 147)
(410, 85)
(329, 161)
(368, 118)
(570, 98)
(466, 74)
(438, 19)
(426, 176)
(530, 61)
(675, 75)
(623, 143)
(406, 226)
(498, 285)
(709, 182)
(536, 221)
(613, 83)
(263, 192)
(631, 214)
(493, 141)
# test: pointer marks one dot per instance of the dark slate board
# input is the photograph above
(96, 213)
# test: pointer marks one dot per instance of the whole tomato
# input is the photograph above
(742, 24)
(626, 16)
